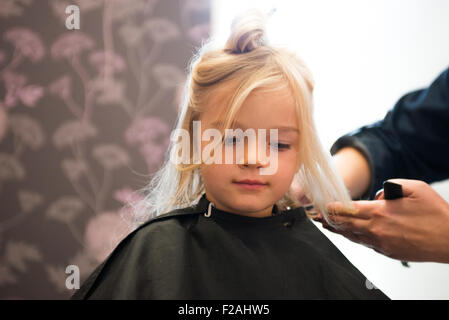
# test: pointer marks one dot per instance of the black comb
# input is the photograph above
(392, 190)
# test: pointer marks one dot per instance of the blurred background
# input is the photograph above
(85, 118)
(85, 115)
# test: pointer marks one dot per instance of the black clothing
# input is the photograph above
(186, 255)
(411, 142)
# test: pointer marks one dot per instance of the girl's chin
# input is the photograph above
(247, 208)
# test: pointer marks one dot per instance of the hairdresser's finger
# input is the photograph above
(337, 209)
(358, 237)
(343, 225)
(364, 209)
(369, 208)
(350, 224)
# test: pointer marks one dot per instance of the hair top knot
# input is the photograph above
(247, 33)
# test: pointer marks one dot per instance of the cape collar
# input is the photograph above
(203, 205)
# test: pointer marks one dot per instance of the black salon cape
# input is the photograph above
(186, 255)
(411, 142)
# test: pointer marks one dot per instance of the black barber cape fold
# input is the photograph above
(186, 255)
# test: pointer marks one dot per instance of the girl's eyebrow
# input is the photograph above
(238, 124)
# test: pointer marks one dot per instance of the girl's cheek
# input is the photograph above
(287, 160)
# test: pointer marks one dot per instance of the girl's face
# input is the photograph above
(261, 110)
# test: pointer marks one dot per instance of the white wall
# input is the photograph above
(364, 55)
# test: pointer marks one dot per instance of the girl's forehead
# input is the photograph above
(263, 108)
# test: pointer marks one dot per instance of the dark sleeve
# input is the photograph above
(411, 142)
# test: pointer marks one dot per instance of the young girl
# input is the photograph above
(209, 230)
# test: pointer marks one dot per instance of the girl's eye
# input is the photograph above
(280, 146)
(231, 140)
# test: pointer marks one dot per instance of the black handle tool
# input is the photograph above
(393, 191)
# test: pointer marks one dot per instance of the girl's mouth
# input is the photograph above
(250, 184)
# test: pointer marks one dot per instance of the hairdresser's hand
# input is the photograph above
(412, 228)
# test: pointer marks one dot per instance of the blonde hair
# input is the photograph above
(248, 63)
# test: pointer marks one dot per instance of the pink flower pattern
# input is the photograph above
(103, 233)
(152, 136)
(27, 42)
(100, 59)
(61, 87)
(71, 44)
(16, 90)
(127, 195)
(76, 192)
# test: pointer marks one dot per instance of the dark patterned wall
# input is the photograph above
(85, 118)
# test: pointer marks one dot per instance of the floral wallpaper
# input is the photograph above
(85, 119)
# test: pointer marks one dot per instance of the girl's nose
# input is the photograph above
(250, 157)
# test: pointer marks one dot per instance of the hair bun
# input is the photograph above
(247, 32)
